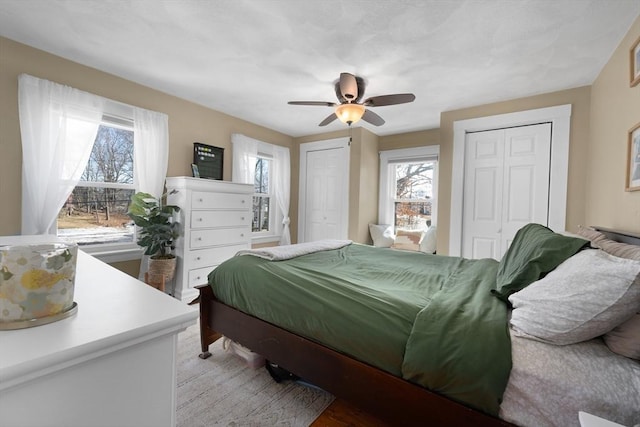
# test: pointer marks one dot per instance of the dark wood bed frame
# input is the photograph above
(381, 394)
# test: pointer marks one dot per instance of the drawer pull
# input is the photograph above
(199, 239)
(200, 200)
(243, 201)
(199, 219)
(197, 258)
(241, 234)
(241, 218)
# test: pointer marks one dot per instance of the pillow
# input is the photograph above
(382, 235)
(534, 252)
(586, 296)
(599, 240)
(408, 240)
(428, 244)
(624, 339)
(590, 234)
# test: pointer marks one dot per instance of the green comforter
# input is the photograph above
(426, 318)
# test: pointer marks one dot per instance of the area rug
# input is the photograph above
(222, 390)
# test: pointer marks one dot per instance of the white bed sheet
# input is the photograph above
(550, 384)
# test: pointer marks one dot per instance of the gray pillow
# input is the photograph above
(584, 297)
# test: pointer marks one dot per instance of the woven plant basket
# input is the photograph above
(163, 267)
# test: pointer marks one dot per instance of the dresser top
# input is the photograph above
(203, 184)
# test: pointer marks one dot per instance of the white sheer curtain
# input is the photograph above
(151, 150)
(245, 154)
(58, 126)
(282, 184)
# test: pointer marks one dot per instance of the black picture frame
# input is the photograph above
(209, 160)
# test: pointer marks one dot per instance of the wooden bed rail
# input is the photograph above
(373, 390)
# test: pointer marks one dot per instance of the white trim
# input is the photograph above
(386, 180)
(560, 119)
(109, 253)
(328, 144)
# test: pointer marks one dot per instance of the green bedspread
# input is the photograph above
(426, 318)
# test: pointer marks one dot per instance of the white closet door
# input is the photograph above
(527, 156)
(323, 191)
(482, 218)
(506, 185)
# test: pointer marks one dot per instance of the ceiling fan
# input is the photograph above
(350, 90)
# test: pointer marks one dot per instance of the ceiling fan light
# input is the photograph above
(349, 113)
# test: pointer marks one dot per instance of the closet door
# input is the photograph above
(506, 185)
(324, 190)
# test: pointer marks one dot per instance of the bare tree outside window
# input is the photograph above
(95, 212)
(414, 195)
(261, 198)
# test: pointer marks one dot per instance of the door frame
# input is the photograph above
(305, 148)
(560, 119)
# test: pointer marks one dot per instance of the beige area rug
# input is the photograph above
(222, 390)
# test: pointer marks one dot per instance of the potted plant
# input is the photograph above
(157, 232)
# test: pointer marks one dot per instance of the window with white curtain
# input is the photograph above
(408, 188)
(267, 167)
(83, 158)
(96, 210)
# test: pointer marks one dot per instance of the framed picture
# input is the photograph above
(194, 170)
(633, 165)
(634, 62)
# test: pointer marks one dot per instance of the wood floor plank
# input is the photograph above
(342, 414)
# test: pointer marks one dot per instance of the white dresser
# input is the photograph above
(215, 219)
(113, 363)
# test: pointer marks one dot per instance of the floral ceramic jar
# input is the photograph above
(36, 283)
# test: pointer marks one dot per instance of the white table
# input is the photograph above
(113, 363)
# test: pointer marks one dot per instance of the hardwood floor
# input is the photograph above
(342, 414)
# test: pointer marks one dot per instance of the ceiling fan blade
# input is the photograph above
(398, 98)
(328, 120)
(373, 118)
(348, 86)
(316, 103)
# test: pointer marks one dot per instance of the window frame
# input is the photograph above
(270, 195)
(122, 118)
(387, 196)
(275, 217)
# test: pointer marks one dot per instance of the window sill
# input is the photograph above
(257, 240)
(114, 254)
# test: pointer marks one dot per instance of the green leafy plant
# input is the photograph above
(157, 229)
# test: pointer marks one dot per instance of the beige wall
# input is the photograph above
(615, 108)
(188, 122)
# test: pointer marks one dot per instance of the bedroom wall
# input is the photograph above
(615, 108)
(579, 98)
(188, 122)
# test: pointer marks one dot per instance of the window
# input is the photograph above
(413, 200)
(96, 210)
(267, 167)
(262, 197)
(408, 187)
(79, 153)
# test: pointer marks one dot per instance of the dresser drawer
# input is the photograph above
(219, 237)
(227, 201)
(199, 275)
(203, 257)
(208, 219)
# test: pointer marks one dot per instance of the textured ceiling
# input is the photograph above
(247, 58)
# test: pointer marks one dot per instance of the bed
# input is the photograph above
(379, 386)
